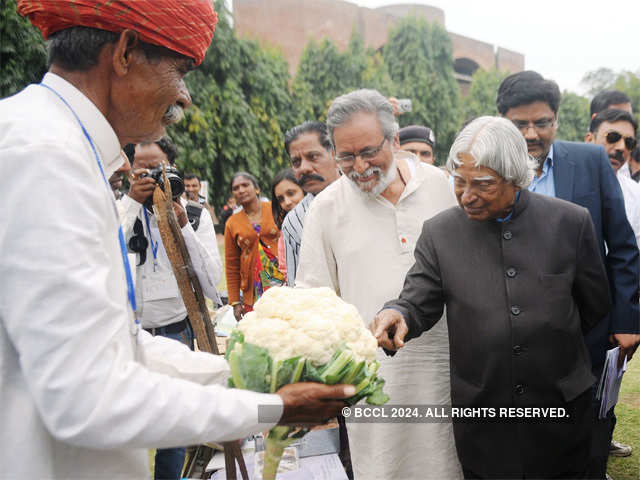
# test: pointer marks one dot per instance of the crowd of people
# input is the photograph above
(499, 279)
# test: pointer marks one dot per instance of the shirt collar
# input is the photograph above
(548, 163)
(508, 217)
(104, 138)
(624, 170)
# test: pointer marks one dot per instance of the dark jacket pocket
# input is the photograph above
(556, 285)
(576, 383)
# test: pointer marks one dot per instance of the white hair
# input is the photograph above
(495, 143)
(363, 100)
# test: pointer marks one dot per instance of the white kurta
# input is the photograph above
(159, 299)
(82, 393)
(363, 248)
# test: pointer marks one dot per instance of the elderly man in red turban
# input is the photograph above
(84, 391)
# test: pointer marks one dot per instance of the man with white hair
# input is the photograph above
(521, 278)
(359, 238)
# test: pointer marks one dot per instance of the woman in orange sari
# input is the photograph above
(250, 242)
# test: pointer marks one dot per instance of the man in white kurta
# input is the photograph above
(81, 386)
(78, 377)
(362, 247)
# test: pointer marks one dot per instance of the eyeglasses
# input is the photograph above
(367, 155)
(484, 185)
(538, 125)
(614, 137)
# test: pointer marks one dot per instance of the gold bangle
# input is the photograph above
(233, 304)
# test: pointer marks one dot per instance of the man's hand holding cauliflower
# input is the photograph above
(297, 336)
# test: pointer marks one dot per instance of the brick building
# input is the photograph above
(290, 24)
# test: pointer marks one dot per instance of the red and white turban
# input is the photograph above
(184, 26)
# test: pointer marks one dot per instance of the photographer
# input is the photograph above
(192, 188)
(162, 310)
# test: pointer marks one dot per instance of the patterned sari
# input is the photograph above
(265, 273)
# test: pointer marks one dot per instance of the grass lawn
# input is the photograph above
(628, 426)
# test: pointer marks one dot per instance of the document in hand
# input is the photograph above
(610, 381)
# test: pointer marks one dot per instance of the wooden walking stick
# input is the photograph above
(195, 303)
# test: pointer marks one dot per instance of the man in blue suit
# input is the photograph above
(580, 173)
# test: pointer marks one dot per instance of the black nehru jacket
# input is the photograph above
(519, 295)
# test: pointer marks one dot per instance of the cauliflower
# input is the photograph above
(310, 322)
(298, 335)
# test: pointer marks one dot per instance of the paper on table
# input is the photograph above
(319, 442)
(322, 467)
(610, 381)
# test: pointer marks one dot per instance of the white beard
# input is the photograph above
(376, 186)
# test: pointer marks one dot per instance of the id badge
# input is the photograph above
(159, 286)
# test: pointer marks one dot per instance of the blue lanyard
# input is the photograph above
(123, 248)
(154, 245)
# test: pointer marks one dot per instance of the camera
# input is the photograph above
(194, 211)
(175, 180)
(404, 105)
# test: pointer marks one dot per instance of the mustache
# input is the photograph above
(534, 143)
(617, 155)
(174, 114)
(353, 175)
(309, 177)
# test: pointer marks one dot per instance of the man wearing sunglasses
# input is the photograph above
(617, 100)
(616, 131)
(580, 173)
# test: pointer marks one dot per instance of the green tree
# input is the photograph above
(629, 83)
(418, 56)
(325, 73)
(606, 79)
(302, 97)
(573, 117)
(377, 76)
(240, 99)
(599, 80)
(482, 96)
(366, 68)
(23, 56)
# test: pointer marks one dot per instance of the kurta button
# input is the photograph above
(511, 272)
(517, 350)
(507, 235)
(515, 310)
(519, 389)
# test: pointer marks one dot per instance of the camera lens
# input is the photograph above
(177, 185)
